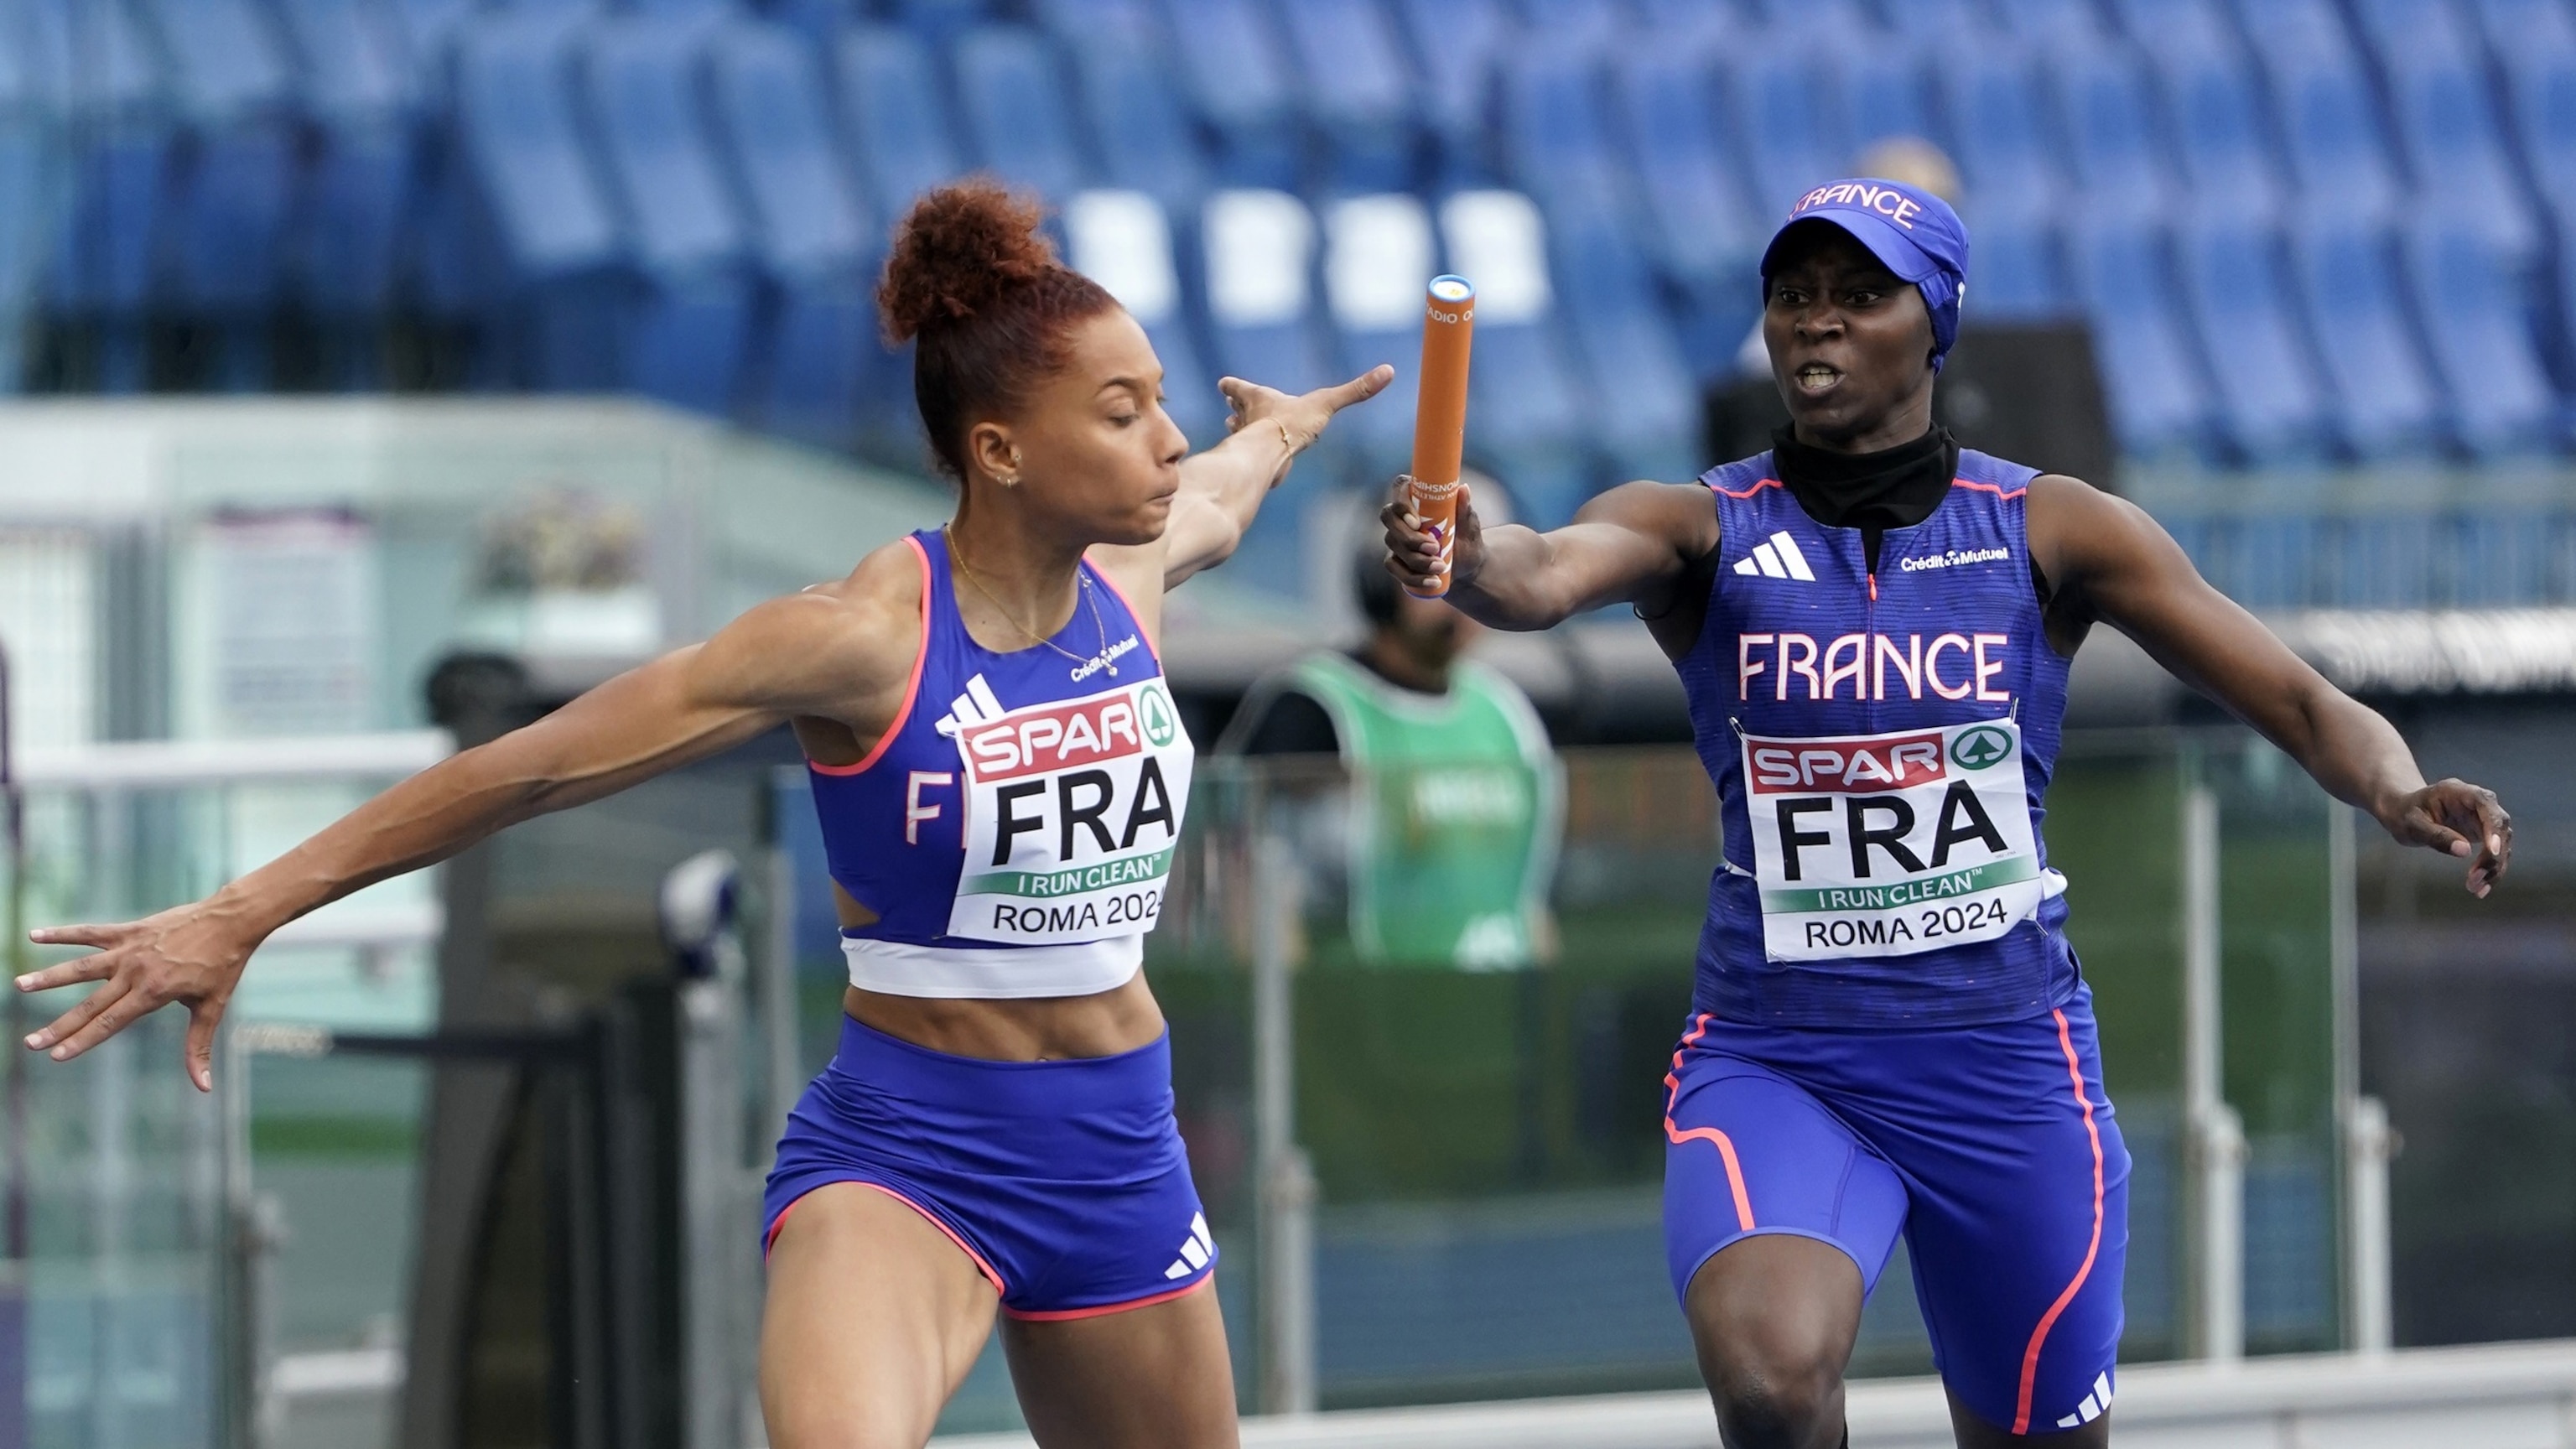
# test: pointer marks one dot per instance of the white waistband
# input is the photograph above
(989, 973)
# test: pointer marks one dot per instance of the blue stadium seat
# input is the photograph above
(2482, 347)
(2383, 401)
(2111, 134)
(360, 181)
(2051, 24)
(1123, 241)
(1458, 44)
(2541, 83)
(1259, 247)
(2159, 400)
(1884, 91)
(688, 337)
(816, 243)
(559, 284)
(1379, 253)
(2000, 127)
(939, 20)
(1011, 92)
(1692, 26)
(1836, 19)
(1138, 127)
(561, 19)
(1645, 418)
(1525, 403)
(2218, 127)
(2330, 120)
(2446, 117)
(892, 112)
(2269, 401)
(231, 203)
(1702, 231)
(1781, 107)
(1555, 135)
(1574, 25)
(1935, 20)
(112, 221)
(2516, 28)
(1358, 91)
(1238, 83)
(31, 185)
(424, 30)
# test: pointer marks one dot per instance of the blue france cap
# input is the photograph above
(1912, 233)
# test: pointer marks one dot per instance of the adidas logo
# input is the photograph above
(1197, 1250)
(2093, 1405)
(1776, 558)
(977, 705)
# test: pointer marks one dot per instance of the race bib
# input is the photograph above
(1885, 845)
(1073, 809)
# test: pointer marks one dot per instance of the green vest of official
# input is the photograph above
(1457, 805)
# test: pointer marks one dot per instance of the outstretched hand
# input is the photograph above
(192, 954)
(1301, 418)
(1413, 555)
(2458, 819)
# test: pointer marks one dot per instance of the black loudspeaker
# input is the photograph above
(2028, 392)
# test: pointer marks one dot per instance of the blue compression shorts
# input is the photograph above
(1992, 1148)
(1065, 1181)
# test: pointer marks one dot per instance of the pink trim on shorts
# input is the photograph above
(1061, 1315)
(911, 690)
(770, 1239)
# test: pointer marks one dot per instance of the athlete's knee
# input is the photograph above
(1779, 1402)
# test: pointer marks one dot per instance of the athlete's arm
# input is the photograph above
(838, 652)
(1635, 544)
(2105, 558)
(1222, 488)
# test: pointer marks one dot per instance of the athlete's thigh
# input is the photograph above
(1142, 1378)
(2020, 1235)
(874, 1317)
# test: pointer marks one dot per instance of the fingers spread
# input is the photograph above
(57, 1034)
(129, 1008)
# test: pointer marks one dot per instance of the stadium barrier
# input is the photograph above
(2510, 1396)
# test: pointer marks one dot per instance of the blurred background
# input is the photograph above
(381, 373)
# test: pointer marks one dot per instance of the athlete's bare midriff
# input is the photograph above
(1031, 1029)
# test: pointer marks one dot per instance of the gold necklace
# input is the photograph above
(1102, 658)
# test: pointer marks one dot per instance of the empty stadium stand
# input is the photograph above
(2304, 232)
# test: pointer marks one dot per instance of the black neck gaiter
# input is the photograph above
(1894, 488)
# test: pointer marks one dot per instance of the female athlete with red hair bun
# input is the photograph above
(1000, 776)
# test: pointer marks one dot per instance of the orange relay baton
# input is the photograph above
(1440, 416)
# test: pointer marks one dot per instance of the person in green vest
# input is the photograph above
(1456, 801)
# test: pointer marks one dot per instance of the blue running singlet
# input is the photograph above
(1014, 829)
(1880, 747)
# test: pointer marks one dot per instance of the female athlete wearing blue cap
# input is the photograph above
(1000, 778)
(1889, 1032)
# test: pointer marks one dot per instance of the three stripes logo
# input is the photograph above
(978, 705)
(2092, 1407)
(1776, 557)
(1197, 1250)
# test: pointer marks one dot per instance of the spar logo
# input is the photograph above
(1977, 748)
(1850, 767)
(1061, 736)
(1160, 724)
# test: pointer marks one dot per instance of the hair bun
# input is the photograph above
(960, 249)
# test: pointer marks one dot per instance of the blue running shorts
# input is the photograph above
(1992, 1148)
(1065, 1181)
